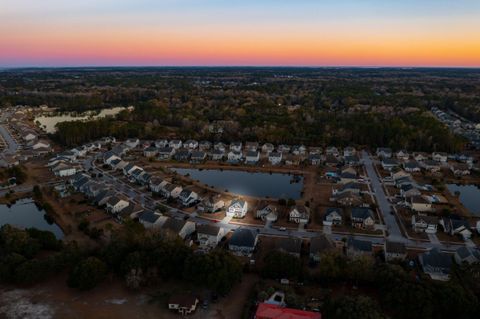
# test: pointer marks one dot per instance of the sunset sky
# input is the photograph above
(246, 32)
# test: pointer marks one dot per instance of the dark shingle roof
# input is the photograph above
(243, 237)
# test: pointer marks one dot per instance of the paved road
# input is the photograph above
(383, 204)
(12, 145)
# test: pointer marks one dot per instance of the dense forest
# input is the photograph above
(374, 107)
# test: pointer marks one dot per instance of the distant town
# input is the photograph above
(301, 222)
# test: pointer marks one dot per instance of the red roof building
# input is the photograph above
(267, 311)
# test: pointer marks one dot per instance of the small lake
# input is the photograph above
(275, 185)
(47, 123)
(25, 214)
(469, 196)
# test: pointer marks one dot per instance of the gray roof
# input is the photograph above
(436, 259)
(173, 224)
(149, 216)
(362, 212)
(208, 229)
(465, 252)
(243, 237)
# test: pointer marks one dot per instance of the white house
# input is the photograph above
(175, 144)
(161, 143)
(236, 146)
(169, 190)
(156, 183)
(275, 158)
(62, 170)
(41, 144)
(187, 197)
(29, 136)
(268, 148)
(183, 304)
(243, 242)
(440, 157)
(116, 204)
(427, 224)
(267, 212)
(151, 219)
(234, 156)
(150, 151)
(299, 214)
(211, 204)
(419, 204)
(180, 227)
(238, 208)
(209, 235)
(218, 155)
(191, 144)
(252, 157)
(132, 143)
(333, 216)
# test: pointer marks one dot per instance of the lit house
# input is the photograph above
(237, 209)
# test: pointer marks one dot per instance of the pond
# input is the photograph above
(469, 196)
(24, 213)
(47, 123)
(275, 185)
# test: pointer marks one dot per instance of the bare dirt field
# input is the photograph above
(53, 299)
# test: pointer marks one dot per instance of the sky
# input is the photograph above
(431, 33)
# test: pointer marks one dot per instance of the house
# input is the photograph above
(238, 208)
(161, 143)
(423, 223)
(357, 247)
(188, 197)
(333, 216)
(353, 160)
(180, 227)
(362, 218)
(384, 152)
(150, 151)
(220, 147)
(190, 144)
(130, 167)
(115, 204)
(460, 169)
(175, 144)
(431, 166)
(62, 170)
(299, 149)
(132, 211)
(183, 304)
(165, 153)
(131, 143)
(182, 155)
(156, 183)
(299, 214)
(41, 144)
(102, 197)
(408, 191)
(347, 198)
(273, 311)
(252, 157)
(332, 150)
(331, 161)
(218, 155)
(289, 245)
(243, 242)
(144, 178)
(198, 156)
(467, 255)
(150, 219)
(209, 235)
(236, 147)
(436, 264)
(29, 136)
(394, 251)
(349, 151)
(266, 212)
(455, 227)
(419, 204)
(440, 157)
(211, 204)
(411, 166)
(275, 158)
(251, 146)
(282, 148)
(348, 177)
(234, 156)
(120, 150)
(389, 164)
(315, 159)
(319, 245)
(169, 190)
(268, 148)
(204, 145)
(402, 155)
(420, 157)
